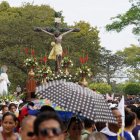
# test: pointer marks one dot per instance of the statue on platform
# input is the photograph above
(30, 85)
(4, 81)
(57, 33)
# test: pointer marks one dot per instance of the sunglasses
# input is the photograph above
(55, 131)
(30, 134)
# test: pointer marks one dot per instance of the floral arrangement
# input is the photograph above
(84, 71)
(66, 62)
(43, 71)
(30, 62)
(7, 98)
(60, 76)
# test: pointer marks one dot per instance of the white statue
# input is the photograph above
(4, 81)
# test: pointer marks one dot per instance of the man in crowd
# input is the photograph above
(4, 109)
(26, 130)
(89, 127)
(113, 129)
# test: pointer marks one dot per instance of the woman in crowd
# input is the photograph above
(48, 126)
(8, 124)
(75, 128)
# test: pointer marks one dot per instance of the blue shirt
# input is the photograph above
(127, 135)
(135, 132)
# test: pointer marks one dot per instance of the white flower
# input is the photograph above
(89, 74)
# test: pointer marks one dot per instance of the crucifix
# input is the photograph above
(57, 33)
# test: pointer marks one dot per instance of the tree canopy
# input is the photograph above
(131, 57)
(130, 17)
(109, 64)
(18, 39)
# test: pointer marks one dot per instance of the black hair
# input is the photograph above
(129, 117)
(46, 108)
(132, 108)
(3, 106)
(30, 104)
(12, 104)
(75, 119)
(45, 116)
(88, 123)
(9, 114)
(138, 112)
(114, 108)
(100, 125)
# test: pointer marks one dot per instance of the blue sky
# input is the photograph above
(97, 13)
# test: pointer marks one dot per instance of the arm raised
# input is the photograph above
(46, 32)
(67, 32)
(39, 29)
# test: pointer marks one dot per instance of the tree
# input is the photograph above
(131, 57)
(109, 64)
(86, 42)
(16, 26)
(130, 17)
(103, 88)
(132, 88)
(119, 88)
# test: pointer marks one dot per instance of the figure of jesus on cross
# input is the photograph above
(57, 33)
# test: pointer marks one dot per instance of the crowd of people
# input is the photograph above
(45, 124)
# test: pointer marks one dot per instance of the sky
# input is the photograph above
(97, 13)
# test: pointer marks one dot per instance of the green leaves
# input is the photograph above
(131, 57)
(16, 31)
(102, 88)
(132, 88)
(130, 17)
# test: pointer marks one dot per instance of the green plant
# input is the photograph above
(132, 88)
(103, 88)
(8, 98)
(119, 88)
